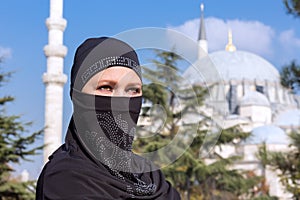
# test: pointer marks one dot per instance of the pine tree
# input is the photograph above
(15, 145)
(290, 76)
(293, 7)
(288, 163)
(190, 174)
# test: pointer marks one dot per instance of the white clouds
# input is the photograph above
(216, 33)
(5, 52)
(253, 36)
(289, 45)
(288, 39)
(189, 28)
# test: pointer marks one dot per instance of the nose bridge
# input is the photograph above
(120, 87)
(119, 91)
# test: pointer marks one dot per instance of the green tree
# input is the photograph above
(293, 7)
(290, 76)
(217, 180)
(15, 145)
(190, 174)
(288, 163)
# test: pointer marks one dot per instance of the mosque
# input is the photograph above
(249, 94)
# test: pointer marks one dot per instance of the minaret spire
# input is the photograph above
(54, 79)
(203, 47)
(230, 47)
(202, 33)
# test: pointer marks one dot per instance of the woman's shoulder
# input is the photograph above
(66, 177)
(66, 159)
(65, 171)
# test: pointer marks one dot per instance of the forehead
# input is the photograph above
(116, 74)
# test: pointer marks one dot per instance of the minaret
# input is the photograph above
(202, 42)
(54, 79)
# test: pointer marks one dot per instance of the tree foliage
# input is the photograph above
(191, 174)
(290, 76)
(15, 145)
(292, 7)
(286, 163)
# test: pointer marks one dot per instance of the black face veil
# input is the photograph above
(106, 127)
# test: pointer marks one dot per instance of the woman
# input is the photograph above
(96, 161)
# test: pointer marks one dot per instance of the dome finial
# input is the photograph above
(230, 47)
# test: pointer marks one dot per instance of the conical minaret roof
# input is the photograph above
(202, 42)
(202, 32)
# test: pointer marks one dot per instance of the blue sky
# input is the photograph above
(259, 26)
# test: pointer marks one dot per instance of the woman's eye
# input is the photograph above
(105, 88)
(134, 90)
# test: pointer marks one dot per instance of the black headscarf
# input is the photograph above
(96, 161)
(97, 54)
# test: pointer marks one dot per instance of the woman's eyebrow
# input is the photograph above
(108, 81)
(134, 85)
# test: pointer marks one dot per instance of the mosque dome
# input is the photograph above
(268, 134)
(289, 118)
(232, 65)
(254, 98)
(240, 65)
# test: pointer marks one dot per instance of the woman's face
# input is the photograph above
(114, 81)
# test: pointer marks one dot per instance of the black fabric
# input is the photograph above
(106, 127)
(71, 174)
(96, 161)
(113, 118)
(97, 54)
